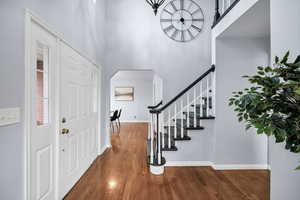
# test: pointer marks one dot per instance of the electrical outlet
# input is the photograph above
(9, 116)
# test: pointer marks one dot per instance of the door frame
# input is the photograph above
(31, 18)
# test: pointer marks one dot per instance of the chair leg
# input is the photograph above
(119, 123)
(112, 123)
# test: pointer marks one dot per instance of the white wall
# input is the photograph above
(233, 145)
(136, 110)
(285, 31)
(228, 20)
(198, 150)
(81, 24)
(157, 89)
(135, 41)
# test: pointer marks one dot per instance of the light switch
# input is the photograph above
(9, 116)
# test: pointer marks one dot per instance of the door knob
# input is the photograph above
(64, 131)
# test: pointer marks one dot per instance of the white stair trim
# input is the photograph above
(240, 167)
(187, 163)
(217, 167)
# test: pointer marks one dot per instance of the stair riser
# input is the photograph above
(173, 132)
(185, 123)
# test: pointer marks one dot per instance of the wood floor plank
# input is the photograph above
(121, 173)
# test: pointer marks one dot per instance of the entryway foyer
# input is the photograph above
(188, 124)
(121, 172)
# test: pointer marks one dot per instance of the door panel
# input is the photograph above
(44, 171)
(77, 149)
(42, 136)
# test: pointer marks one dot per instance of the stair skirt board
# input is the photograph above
(188, 163)
(216, 167)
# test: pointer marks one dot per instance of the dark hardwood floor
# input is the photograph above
(121, 173)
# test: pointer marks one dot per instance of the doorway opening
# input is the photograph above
(131, 93)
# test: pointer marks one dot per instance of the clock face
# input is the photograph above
(182, 20)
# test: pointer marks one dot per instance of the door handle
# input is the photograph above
(65, 131)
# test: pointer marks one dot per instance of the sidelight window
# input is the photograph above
(42, 84)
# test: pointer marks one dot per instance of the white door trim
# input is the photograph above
(29, 19)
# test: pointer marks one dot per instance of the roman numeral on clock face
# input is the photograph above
(182, 36)
(175, 33)
(166, 20)
(198, 20)
(167, 29)
(198, 10)
(191, 35)
(173, 6)
(196, 28)
(165, 10)
(181, 4)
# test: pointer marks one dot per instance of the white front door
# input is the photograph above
(43, 59)
(78, 117)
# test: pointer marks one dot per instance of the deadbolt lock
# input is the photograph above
(64, 131)
(63, 120)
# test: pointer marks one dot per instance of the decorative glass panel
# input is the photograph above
(42, 85)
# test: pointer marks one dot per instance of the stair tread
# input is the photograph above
(202, 117)
(166, 148)
(195, 128)
(182, 139)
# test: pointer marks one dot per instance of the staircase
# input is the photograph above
(172, 122)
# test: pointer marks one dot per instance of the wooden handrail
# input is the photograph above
(156, 106)
(212, 69)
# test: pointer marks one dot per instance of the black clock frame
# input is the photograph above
(176, 31)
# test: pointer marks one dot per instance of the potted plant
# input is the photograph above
(272, 104)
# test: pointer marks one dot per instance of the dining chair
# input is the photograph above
(118, 118)
(113, 118)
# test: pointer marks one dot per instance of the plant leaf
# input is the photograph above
(285, 58)
(276, 59)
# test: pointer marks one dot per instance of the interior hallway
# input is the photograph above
(122, 173)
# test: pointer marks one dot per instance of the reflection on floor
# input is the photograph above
(121, 173)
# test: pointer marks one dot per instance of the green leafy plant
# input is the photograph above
(272, 104)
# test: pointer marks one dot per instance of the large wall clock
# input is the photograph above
(182, 20)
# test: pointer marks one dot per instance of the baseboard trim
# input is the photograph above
(187, 163)
(103, 149)
(239, 167)
(216, 167)
(135, 121)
